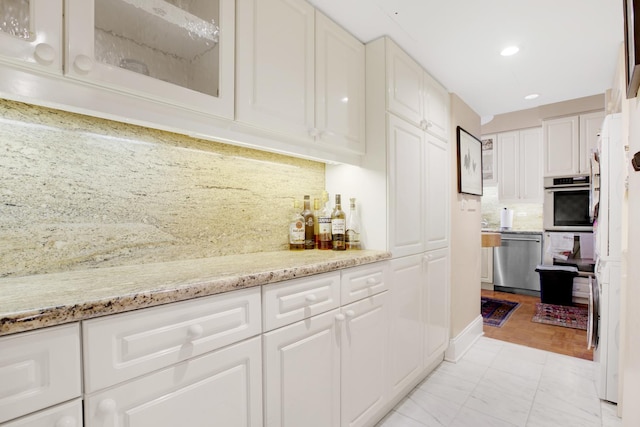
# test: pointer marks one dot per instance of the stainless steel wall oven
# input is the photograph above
(567, 201)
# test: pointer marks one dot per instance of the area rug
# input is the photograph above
(561, 315)
(496, 311)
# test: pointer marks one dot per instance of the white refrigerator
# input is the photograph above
(608, 247)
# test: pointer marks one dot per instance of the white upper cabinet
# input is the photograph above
(31, 33)
(520, 165)
(300, 75)
(340, 86)
(568, 142)
(414, 95)
(177, 52)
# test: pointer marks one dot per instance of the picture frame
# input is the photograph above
(489, 172)
(469, 163)
(631, 47)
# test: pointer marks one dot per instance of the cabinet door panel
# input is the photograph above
(224, 386)
(302, 373)
(436, 304)
(561, 146)
(590, 127)
(276, 62)
(436, 99)
(120, 347)
(530, 171)
(363, 348)
(405, 322)
(145, 49)
(437, 197)
(38, 369)
(33, 35)
(404, 85)
(508, 165)
(65, 415)
(406, 187)
(340, 86)
(365, 281)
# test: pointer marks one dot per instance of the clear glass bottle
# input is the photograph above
(296, 228)
(307, 214)
(338, 226)
(353, 226)
(324, 224)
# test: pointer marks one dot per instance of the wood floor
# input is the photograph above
(519, 329)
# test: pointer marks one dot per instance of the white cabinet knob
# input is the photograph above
(44, 53)
(195, 331)
(107, 406)
(429, 124)
(350, 313)
(83, 63)
(371, 281)
(311, 298)
(313, 132)
(340, 317)
(66, 421)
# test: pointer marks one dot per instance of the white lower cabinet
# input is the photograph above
(195, 363)
(302, 373)
(329, 369)
(38, 370)
(64, 415)
(405, 328)
(363, 343)
(220, 388)
(436, 305)
(419, 316)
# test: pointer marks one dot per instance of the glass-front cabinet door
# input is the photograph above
(175, 51)
(31, 33)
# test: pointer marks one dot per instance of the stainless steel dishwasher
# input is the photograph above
(515, 261)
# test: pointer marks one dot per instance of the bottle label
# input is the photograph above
(324, 225)
(337, 226)
(296, 233)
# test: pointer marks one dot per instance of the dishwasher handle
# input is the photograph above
(536, 239)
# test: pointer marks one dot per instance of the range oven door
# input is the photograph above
(567, 209)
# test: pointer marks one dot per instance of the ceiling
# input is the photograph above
(568, 48)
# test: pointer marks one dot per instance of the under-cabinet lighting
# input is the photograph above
(510, 50)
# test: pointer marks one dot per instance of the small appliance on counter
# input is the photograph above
(506, 219)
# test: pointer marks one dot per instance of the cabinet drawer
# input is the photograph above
(298, 299)
(39, 369)
(221, 388)
(123, 346)
(364, 281)
(68, 415)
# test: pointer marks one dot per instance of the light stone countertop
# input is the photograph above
(38, 301)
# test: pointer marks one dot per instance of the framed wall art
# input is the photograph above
(631, 47)
(469, 163)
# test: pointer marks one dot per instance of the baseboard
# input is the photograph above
(459, 345)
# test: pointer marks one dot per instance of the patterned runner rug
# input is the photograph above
(496, 311)
(561, 315)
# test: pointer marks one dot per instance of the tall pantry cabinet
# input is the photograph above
(407, 209)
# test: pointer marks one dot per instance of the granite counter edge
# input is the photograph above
(38, 318)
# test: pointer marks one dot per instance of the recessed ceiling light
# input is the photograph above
(532, 96)
(508, 51)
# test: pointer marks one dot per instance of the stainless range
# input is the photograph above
(515, 261)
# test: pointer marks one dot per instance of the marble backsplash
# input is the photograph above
(526, 216)
(77, 192)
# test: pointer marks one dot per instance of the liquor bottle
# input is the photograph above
(316, 227)
(324, 224)
(338, 224)
(296, 228)
(353, 226)
(307, 214)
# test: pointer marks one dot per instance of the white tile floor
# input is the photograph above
(502, 384)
